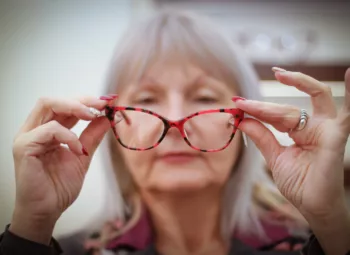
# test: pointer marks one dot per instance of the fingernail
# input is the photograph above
(85, 152)
(236, 98)
(109, 97)
(106, 98)
(114, 96)
(278, 69)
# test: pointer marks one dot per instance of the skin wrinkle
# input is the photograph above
(301, 179)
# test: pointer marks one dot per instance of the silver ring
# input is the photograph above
(96, 112)
(303, 120)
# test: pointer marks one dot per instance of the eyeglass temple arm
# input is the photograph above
(127, 119)
(245, 140)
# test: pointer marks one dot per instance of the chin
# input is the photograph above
(182, 181)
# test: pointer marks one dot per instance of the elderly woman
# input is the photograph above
(177, 110)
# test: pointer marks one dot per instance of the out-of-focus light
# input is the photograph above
(288, 42)
(243, 39)
(263, 42)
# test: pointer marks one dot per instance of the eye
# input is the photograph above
(144, 98)
(206, 99)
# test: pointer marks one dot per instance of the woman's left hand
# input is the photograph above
(309, 173)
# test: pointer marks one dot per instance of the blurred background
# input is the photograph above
(62, 48)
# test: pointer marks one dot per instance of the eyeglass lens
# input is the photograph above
(142, 130)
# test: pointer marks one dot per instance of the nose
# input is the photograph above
(174, 133)
(175, 109)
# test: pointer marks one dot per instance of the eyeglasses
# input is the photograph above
(141, 129)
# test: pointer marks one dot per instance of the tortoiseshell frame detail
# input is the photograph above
(110, 111)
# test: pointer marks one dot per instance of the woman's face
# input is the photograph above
(175, 91)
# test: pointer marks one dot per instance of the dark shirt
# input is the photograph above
(10, 244)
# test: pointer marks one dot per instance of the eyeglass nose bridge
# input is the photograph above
(179, 125)
(176, 124)
(173, 124)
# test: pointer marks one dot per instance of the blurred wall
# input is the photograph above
(53, 48)
(325, 24)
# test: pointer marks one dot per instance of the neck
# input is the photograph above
(187, 223)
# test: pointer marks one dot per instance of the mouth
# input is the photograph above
(177, 157)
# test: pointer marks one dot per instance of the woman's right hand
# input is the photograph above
(49, 176)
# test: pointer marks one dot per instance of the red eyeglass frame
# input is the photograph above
(110, 111)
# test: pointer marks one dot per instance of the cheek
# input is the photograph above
(213, 168)
(222, 162)
(139, 164)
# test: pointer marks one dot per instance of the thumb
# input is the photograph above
(93, 134)
(263, 139)
(347, 90)
(344, 114)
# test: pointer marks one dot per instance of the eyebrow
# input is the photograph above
(211, 83)
(200, 81)
(150, 80)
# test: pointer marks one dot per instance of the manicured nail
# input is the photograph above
(236, 98)
(114, 96)
(85, 152)
(278, 69)
(108, 98)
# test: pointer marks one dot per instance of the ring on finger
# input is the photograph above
(302, 121)
(96, 112)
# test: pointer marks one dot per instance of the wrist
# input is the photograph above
(337, 218)
(333, 230)
(35, 228)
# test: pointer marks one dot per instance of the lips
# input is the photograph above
(177, 157)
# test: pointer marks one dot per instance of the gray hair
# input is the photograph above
(196, 40)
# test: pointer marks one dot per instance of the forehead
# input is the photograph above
(169, 72)
(174, 69)
(182, 77)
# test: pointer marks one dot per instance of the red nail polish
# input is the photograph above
(106, 98)
(85, 152)
(236, 98)
(114, 96)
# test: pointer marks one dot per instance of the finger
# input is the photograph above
(344, 114)
(68, 122)
(347, 90)
(321, 94)
(285, 246)
(43, 138)
(94, 133)
(282, 117)
(297, 247)
(47, 109)
(263, 139)
(98, 104)
(90, 101)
